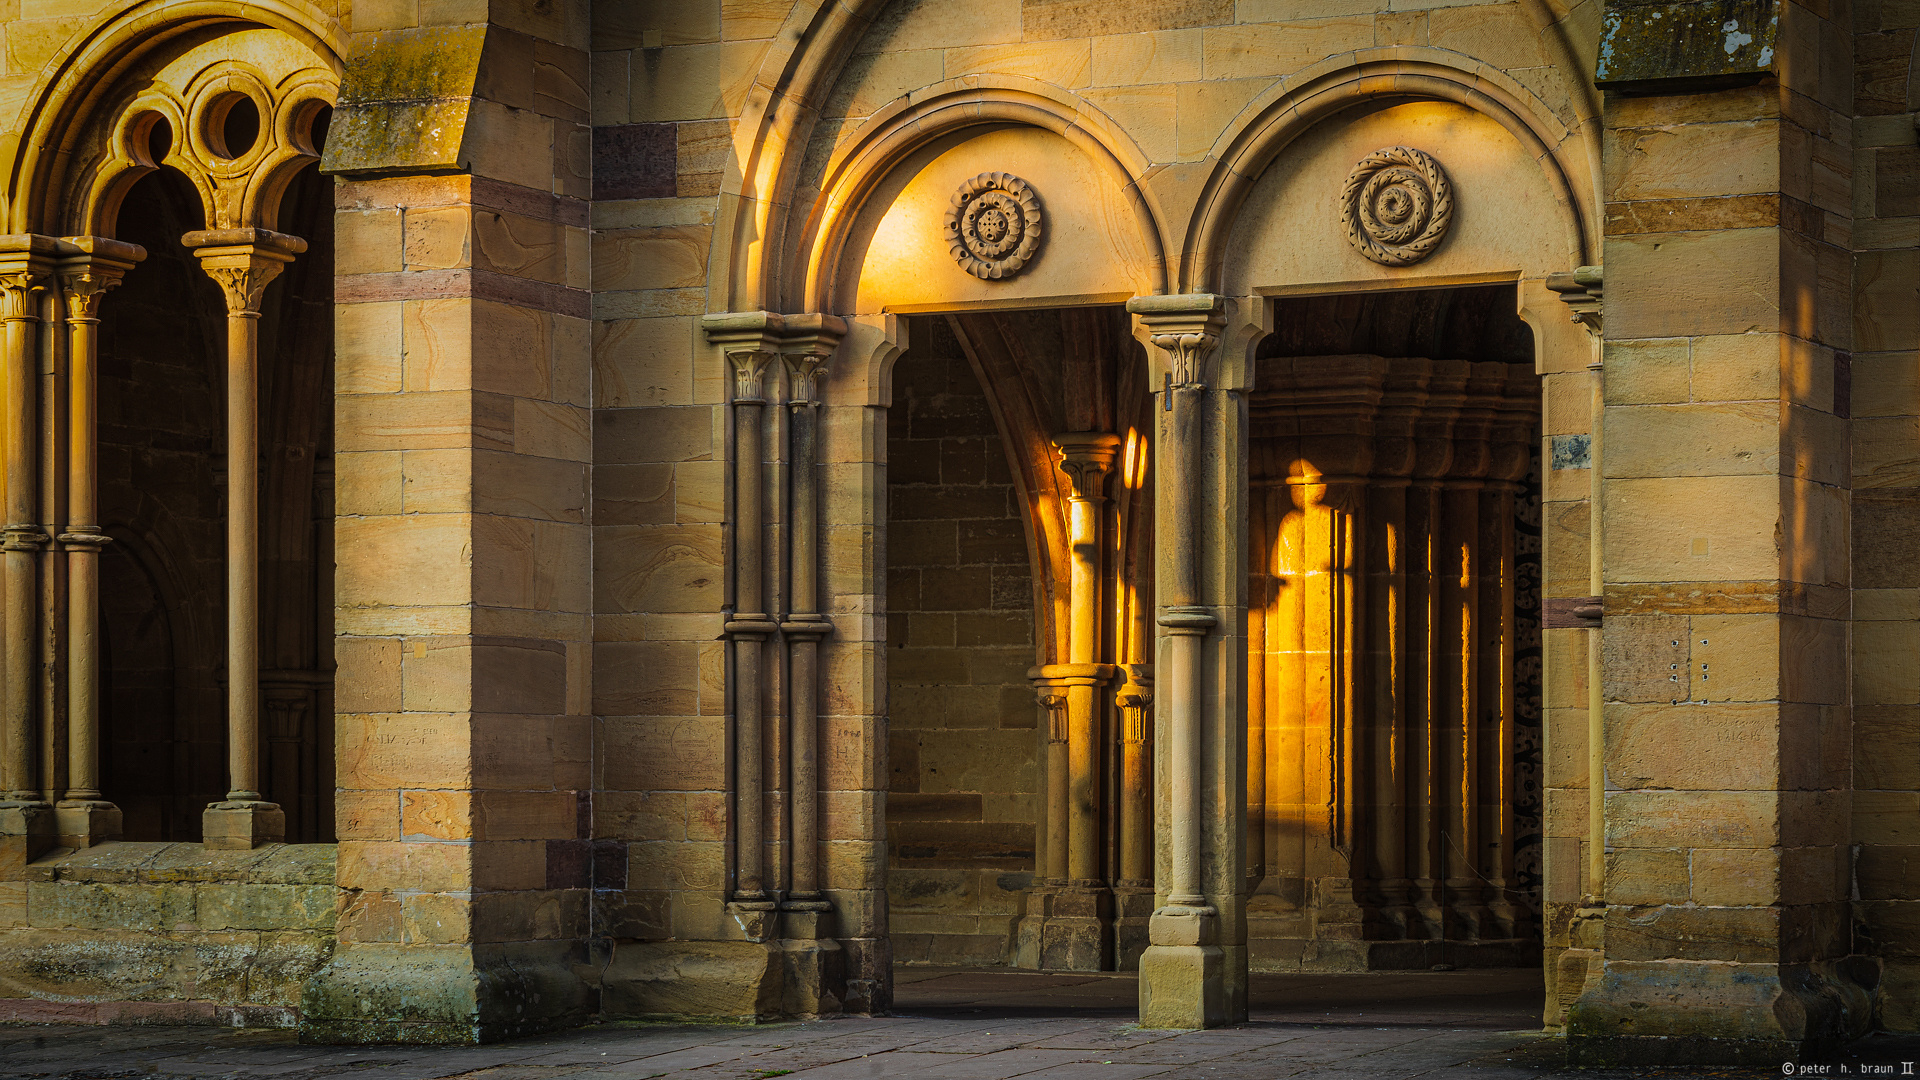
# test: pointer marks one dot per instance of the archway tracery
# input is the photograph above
(232, 99)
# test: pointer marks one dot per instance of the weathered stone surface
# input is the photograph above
(719, 980)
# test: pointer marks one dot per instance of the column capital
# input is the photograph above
(1086, 457)
(1137, 691)
(806, 343)
(1186, 327)
(243, 262)
(748, 339)
(26, 259)
(89, 267)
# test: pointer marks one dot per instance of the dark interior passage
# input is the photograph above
(162, 479)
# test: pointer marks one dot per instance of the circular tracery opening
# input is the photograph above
(159, 139)
(232, 124)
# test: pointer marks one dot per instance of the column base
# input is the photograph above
(1077, 935)
(82, 823)
(731, 981)
(1132, 911)
(242, 826)
(1702, 1013)
(1065, 928)
(813, 978)
(27, 831)
(1183, 972)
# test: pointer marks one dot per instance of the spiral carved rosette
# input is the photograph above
(993, 225)
(1396, 206)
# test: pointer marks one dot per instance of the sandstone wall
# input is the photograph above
(1885, 474)
(962, 795)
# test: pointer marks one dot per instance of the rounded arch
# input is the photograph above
(73, 96)
(911, 122)
(1297, 104)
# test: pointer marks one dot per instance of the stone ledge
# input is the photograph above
(136, 1013)
(123, 862)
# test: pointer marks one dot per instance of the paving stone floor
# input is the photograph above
(949, 1025)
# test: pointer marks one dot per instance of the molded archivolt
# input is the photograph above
(89, 133)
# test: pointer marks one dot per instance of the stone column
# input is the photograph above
(1086, 458)
(814, 973)
(1079, 908)
(1133, 889)
(243, 262)
(92, 265)
(26, 821)
(749, 628)
(1052, 697)
(1193, 973)
(804, 626)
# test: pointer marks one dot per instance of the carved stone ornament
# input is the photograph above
(1396, 206)
(993, 225)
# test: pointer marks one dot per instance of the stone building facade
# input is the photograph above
(752, 492)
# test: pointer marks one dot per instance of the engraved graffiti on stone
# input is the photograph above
(1396, 206)
(993, 225)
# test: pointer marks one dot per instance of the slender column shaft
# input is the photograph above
(83, 540)
(23, 538)
(1136, 787)
(51, 424)
(1596, 697)
(1086, 458)
(1505, 690)
(243, 556)
(1389, 634)
(1059, 815)
(804, 627)
(1188, 629)
(1425, 678)
(243, 262)
(1461, 595)
(747, 627)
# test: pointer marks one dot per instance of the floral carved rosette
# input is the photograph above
(993, 225)
(1396, 206)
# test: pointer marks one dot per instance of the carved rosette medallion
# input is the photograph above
(1396, 206)
(993, 225)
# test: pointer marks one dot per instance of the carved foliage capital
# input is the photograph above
(84, 287)
(806, 370)
(1086, 457)
(749, 374)
(1189, 351)
(243, 286)
(17, 289)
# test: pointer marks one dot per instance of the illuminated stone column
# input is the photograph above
(1193, 972)
(1052, 696)
(1086, 458)
(243, 262)
(92, 265)
(1135, 701)
(26, 821)
(1079, 910)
